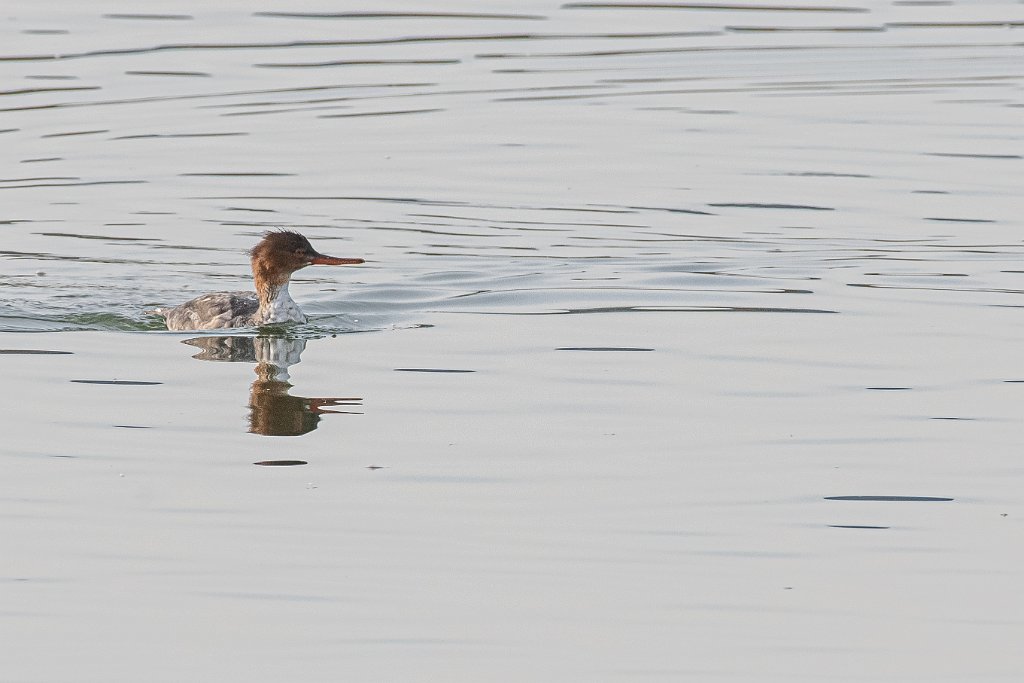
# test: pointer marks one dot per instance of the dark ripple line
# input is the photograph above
(171, 47)
(353, 62)
(232, 175)
(752, 205)
(959, 220)
(28, 352)
(891, 499)
(162, 17)
(434, 94)
(602, 348)
(826, 174)
(805, 29)
(431, 202)
(80, 236)
(207, 96)
(174, 47)
(653, 309)
(94, 182)
(711, 6)
(628, 288)
(427, 231)
(975, 290)
(75, 132)
(177, 135)
(41, 256)
(741, 48)
(776, 90)
(669, 209)
(397, 112)
(304, 198)
(517, 224)
(941, 80)
(955, 24)
(35, 91)
(27, 180)
(119, 382)
(956, 155)
(442, 370)
(397, 15)
(202, 74)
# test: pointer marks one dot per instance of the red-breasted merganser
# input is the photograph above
(274, 259)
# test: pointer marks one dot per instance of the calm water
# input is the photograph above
(687, 346)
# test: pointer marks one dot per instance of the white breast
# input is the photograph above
(281, 309)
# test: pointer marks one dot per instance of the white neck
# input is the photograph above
(279, 308)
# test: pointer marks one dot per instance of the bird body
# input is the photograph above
(274, 259)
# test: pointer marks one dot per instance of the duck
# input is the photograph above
(279, 254)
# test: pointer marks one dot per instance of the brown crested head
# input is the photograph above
(281, 252)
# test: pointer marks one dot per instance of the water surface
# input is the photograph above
(687, 345)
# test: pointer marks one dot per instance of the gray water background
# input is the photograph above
(732, 291)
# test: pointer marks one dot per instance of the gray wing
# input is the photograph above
(213, 311)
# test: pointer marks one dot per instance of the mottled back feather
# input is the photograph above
(213, 312)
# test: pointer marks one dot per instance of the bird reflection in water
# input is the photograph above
(272, 410)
